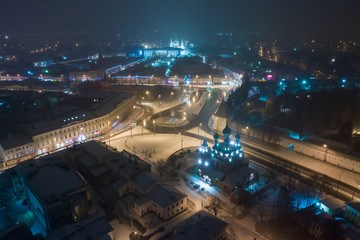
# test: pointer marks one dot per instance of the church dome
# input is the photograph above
(227, 130)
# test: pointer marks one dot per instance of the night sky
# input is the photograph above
(335, 17)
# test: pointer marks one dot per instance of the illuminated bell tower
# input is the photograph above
(204, 148)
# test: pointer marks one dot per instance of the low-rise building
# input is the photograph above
(324, 227)
(145, 182)
(126, 165)
(163, 200)
(201, 226)
(352, 212)
(93, 227)
(57, 193)
(332, 206)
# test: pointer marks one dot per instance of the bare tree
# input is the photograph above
(161, 166)
(214, 205)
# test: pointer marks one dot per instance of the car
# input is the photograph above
(202, 189)
(191, 182)
(196, 186)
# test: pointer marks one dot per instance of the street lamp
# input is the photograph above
(154, 126)
(144, 125)
(132, 120)
(109, 139)
(326, 150)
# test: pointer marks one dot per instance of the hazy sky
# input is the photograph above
(180, 16)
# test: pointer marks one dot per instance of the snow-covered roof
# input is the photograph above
(100, 170)
(147, 180)
(200, 226)
(96, 149)
(50, 179)
(124, 166)
(333, 203)
(93, 227)
(355, 204)
(237, 177)
(163, 195)
(86, 161)
(120, 183)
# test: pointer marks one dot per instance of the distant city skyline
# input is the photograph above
(316, 18)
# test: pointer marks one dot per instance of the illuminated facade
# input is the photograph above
(65, 131)
(223, 158)
(176, 49)
(177, 44)
(162, 52)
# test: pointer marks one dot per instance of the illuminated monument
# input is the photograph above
(176, 49)
(222, 159)
(177, 44)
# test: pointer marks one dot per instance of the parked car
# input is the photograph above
(202, 189)
(196, 186)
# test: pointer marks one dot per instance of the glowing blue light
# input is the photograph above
(232, 143)
(230, 160)
(317, 204)
(206, 163)
(199, 161)
(304, 82)
(344, 80)
(280, 83)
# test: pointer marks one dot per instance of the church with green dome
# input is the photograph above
(223, 158)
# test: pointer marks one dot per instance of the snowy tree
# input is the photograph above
(214, 205)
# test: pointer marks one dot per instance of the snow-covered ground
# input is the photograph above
(120, 232)
(161, 145)
(346, 176)
(161, 107)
